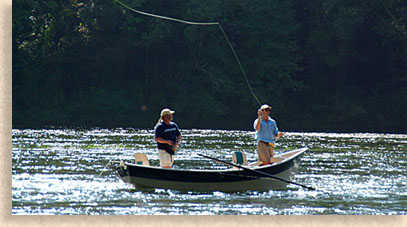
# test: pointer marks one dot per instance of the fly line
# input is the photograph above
(201, 24)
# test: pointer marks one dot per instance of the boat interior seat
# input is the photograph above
(141, 159)
(239, 158)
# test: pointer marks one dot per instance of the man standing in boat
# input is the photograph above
(266, 134)
(168, 137)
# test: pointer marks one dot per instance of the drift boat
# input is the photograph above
(241, 177)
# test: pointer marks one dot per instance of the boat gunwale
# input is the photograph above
(299, 151)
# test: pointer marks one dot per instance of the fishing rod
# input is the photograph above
(258, 172)
(198, 23)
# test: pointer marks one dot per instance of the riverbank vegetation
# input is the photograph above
(323, 65)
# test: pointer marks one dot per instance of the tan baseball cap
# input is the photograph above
(166, 111)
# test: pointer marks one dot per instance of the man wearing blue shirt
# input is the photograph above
(266, 134)
(168, 137)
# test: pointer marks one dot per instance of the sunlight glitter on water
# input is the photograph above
(66, 171)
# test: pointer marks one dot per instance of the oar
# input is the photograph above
(259, 172)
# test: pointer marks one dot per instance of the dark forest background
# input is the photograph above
(323, 65)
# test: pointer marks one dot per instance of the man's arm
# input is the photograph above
(161, 140)
(258, 125)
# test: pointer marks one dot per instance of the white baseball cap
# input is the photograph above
(265, 106)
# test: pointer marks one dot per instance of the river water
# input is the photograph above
(68, 171)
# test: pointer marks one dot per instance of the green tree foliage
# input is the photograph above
(349, 59)
(323, 65)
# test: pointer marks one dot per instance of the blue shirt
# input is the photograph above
(268, 130)
(167, 132)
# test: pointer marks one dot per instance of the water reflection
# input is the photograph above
(65, 171)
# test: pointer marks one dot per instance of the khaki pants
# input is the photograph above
(165, 158)
(265, 152)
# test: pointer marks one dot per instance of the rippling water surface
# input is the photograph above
(67, 171)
